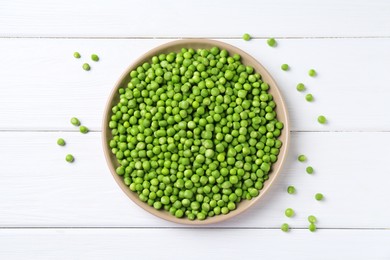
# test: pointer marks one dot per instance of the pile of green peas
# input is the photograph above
(195, 132)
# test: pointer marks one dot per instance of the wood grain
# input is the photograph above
(39, 189)
(194, 18)
(43, 86)
(82, 212)
(193, 244)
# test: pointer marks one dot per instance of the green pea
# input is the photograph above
(221, 157)
(157, 205)
(188, 194)
(224, 210)
(179, 213)
(289, 212)
(285, 67)
(165, 200)
(86, 67)
(271, 42)
(302, 158)
(76, 55)
(301, 87)
(309, 97)
(94, 57)
(69, 158)
(61, 142)
(312, 227)
(74, 121)
(84, 129)
(312, 219)
(201, 216)
(253, 192)
(291, 190)
(231, 206)
(319, 196)
(321, 119)
(309, 170)
(312, 73)
(285, 227)
(246, 37)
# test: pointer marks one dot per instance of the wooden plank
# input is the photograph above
(229, 18)
(193, 244)
(38, 188)
(42, 85)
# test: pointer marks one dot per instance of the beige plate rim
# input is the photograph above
(281, 110)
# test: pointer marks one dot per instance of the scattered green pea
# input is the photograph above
(84, 129)
(319, 196)
(312, 73)
(61, 142)
(312, 219)
(285, 227)
(312, 227)
(321, 119)
(291, 190)
(246, 37)
(309, 170)
(289, 212)
(86, 66)
(285, 67)
(271, 42)
(94, 57)
(309, 97)
(76, 55)
(301, 87)
(69, 158)
(302, 158)
(74, 121)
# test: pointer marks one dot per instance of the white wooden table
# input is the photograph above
(50, 209)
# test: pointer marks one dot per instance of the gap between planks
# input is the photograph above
(191, 227)
(187, 37)
(99, 131)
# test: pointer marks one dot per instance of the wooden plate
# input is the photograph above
(175, 46)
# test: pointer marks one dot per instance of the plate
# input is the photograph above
(246, 59)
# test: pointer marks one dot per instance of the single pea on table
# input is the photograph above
(285, 67)
(309, 97)
(312, 227)
(301, 87)
(86, 66)
(312, 73)
(319, 196)
(61, 142)
(312, 219)
(69, 158)
(74, 121)
(285, 227)
(94, 57)
(84, 129)
(246, 37)
(322, 119)
(302, 158)
(309, 170)
(291, 190)
(289, 212)
(271, 42)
